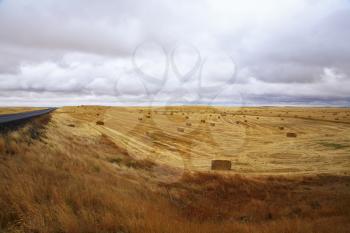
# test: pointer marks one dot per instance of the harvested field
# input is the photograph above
(255, 146)
(148, 176)
(11, 110)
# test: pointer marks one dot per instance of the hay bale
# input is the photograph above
(281, 128)
(181, 130)
(221, 165)
(212, 124)
(140, 118)
(202, 121)
(188, 124)
(71, 125)
(291, 135)
(100, 123)
(237, 122)
(187, 117)
(148, 116)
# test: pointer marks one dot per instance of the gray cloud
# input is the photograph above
(119, 52)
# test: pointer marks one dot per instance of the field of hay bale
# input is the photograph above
(177, 169)
(262, 140)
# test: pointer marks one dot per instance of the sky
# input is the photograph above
(167, 52)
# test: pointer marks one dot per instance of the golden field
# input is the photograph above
(254, 139)
(114, 169)
(11, 110)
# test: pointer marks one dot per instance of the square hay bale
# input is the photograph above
(221, 165)
(291, 135)
(181, 130)
(100, 123)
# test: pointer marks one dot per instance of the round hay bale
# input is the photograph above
(100, 123)
(291, 135)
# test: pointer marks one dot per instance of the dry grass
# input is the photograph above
(207, 197)
(56, 178)
(12, 110)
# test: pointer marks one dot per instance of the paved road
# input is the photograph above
(7, 118)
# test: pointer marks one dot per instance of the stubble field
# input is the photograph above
(130, 170)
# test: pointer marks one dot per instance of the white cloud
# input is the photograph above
(64, 52)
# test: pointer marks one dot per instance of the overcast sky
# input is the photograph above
(155, 52)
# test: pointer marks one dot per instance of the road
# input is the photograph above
(8, 118)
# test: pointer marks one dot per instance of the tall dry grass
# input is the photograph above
(54, 180)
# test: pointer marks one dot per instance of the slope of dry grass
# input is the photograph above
(60, 174)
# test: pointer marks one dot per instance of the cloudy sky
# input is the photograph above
(155, 52)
